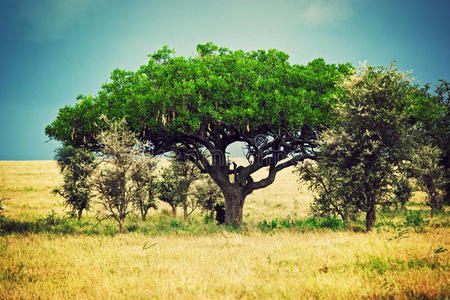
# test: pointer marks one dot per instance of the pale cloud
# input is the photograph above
(46, 20)
(284, 15)
(327, 12)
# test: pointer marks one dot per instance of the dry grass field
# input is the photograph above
(390, 262)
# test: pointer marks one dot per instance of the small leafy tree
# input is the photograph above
(208, 195)
(402, 189)
(146, 184)
(76, 165)
(362, 157)
(432, 114)
(167, 190)
(118, 178)
(430, 175)
(330, 200)
(188, 173)
(175, 185)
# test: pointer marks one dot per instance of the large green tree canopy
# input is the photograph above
(200, 105)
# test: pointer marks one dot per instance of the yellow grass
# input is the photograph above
(251, 265)
(28, 185)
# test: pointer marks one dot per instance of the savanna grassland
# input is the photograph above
(281, 252)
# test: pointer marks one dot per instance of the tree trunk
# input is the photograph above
(185, 214)
(211, 214)
(370, 218)
(121, 226)
(80, 212)
(143, 211)
(174, 211)
(343, 217)
(234, 204)
(435, 203)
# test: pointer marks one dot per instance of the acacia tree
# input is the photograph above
(122, 162)
(76, 166)
(362, 158)
(199, 106)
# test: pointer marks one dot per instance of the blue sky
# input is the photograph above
(53, 50)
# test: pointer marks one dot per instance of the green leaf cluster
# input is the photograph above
(76, 166)
(252, 91)
(362, 159)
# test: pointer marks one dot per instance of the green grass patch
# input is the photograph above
(64, 225)
(382, 265)
(313, 223)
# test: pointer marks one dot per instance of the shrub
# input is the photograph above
(53, 219)
(414, 218)
(331, 223)
(208, 195)
(76, 165)
(267, 226)
(313, 223)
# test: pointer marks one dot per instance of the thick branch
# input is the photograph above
(272, 173)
